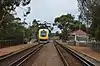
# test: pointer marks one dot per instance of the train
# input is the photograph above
(43, 36)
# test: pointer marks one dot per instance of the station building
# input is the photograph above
(79, 36)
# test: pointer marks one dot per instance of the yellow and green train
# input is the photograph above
(43, 36)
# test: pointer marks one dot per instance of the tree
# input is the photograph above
(35, 27)
(11, 27)
(90, 13)
(57, 33)
(8, 6)
(67, 24)
(97, 34)
(35, 23)
(75, 25)
(63, 23)
(87, 9)
(12, 31)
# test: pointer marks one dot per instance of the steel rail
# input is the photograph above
(16, 52)
(10, 58)
(21, 60)
(75, 54)
(61, 56)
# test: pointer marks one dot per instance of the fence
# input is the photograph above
(95, 46)
(7, 43)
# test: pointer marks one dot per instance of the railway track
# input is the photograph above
(19, 58)
(71, 58)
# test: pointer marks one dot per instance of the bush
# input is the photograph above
(97, 34)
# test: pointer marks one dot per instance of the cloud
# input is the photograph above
(48, 9)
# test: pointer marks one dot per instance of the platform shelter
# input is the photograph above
(79, 36)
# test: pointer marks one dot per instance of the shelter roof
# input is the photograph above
(78, 32)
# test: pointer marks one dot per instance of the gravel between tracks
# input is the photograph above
(72, 61)
(48, 56)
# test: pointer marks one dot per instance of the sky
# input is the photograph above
(48, 10)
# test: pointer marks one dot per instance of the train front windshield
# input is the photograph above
(43, 33)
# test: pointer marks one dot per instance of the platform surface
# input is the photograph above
(87, 51)
(84, 50)
(11, 49)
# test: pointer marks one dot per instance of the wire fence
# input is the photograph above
(7, 43)
(93, 45)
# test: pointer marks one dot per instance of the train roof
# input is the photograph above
(43, 29)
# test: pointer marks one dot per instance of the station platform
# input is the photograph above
(85, 51)
(11, 49)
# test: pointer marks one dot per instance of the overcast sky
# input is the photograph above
(47, 10)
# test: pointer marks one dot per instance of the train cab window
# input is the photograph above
(43, 33)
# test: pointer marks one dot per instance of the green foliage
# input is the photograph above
(12, 30)
(75, 25)
(95, 28)
(32, 31)
(63, 23)
(67, 24)
(57, 33)
(90, 13)
(8, 6)
(97, 34)
(11, 27)
(35, 23)
(64, 20)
